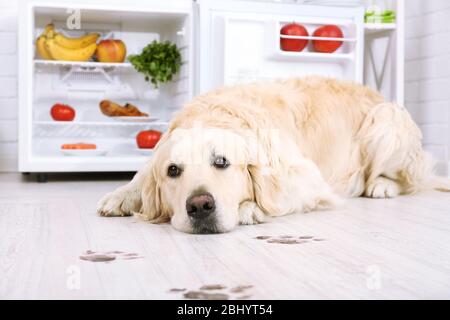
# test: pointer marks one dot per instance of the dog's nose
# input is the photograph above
(200, 206)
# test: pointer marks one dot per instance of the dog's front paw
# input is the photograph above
(250, 213)
(382, 188)
(115, 204)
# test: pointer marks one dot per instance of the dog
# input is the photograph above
(239, 154)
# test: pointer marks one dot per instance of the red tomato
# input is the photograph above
(148, 139)
(62, 112)
(325, 46)
(293, 29)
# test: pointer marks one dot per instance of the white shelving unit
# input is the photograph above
(385, 54)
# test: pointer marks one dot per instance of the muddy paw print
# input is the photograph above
(108, 256)
(288, 239)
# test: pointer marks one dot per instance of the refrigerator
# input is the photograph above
(221, 43)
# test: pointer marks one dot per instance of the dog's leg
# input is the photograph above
(382, 187)
(250, 213)
(124, 200)
(393, 156)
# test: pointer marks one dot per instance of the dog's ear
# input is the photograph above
(284, 189)
(153, 208)
(263, 166)
(284, 181)
(266, 188)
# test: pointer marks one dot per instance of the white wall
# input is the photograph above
(427, 76)
(427, 73)
(8, 85)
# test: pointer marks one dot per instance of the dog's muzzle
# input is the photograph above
(201, 208)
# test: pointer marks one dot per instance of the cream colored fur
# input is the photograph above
(294, 146)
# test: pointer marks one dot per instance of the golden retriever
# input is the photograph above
(238, 154)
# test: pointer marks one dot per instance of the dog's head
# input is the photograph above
(198, 179)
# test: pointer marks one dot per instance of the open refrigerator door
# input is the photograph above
(242, 42)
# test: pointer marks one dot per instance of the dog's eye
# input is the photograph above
(173, 171)
(220, 162)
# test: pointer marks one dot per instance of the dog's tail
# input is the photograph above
(431, 180)
(438, 183)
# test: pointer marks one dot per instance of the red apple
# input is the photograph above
(293, 29)
(327, 46)
(111, 51)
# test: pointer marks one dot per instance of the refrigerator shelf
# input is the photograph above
(284, 36)
(344, 63)
(100, 123)
(109, 156)
(92, 130)
(374, 28)
(84, 64)
(132, 161)
(312, 56)
(91, 80)
(345, 53)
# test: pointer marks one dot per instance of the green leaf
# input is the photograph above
(158, 61)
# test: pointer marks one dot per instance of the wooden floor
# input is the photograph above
(370, 249)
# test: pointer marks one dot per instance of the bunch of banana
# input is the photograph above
(52, 45)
